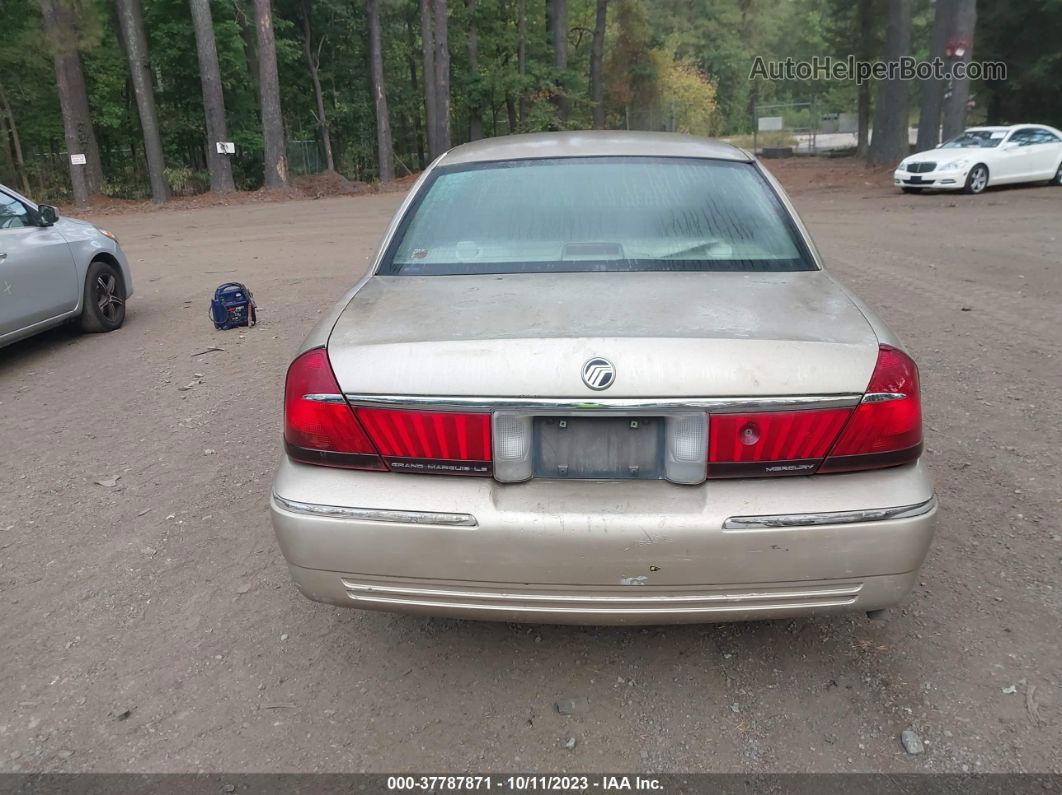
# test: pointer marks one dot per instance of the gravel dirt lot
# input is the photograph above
(150, 625)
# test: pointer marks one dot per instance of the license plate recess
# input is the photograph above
(598, 448)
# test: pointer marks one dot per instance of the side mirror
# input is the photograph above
(46, 214)
(1011, 146)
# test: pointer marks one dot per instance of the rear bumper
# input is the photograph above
(589, 605)
(601, 552)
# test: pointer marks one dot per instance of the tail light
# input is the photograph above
(886, 428)
(429, 441)
(771, 443)
(321, 428)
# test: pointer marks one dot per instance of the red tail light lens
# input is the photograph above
(429, 441)
(319, 426)
(771, 443)
(886, 428)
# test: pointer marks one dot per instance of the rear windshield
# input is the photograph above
(596, 214)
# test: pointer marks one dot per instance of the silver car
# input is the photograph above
(602, 378)
(54, 270)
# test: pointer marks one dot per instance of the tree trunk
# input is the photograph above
(442, 76)
(16, 142)
(384, 151)
(312, 62)
(597, 52)
(521, 59)
(890, 142)
(427, 38)
(932, 101)
(249, 38)
(866, 29)
(510, 114)
(59, 23)
(955, 102)
(558, 20)
(213, 97)
(131, 19)
(276, 160)
(418, 132)
(475, 113)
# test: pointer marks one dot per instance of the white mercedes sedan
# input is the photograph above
(983, 157)
(602, 378)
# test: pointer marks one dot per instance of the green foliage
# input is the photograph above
(1023, 34)
(630, 65)
(185, 181)
(669, 64)
(764, 139)
(686, 95)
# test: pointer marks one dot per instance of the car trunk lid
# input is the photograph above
(677, 334)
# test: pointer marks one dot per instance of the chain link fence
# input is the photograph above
(125, 173)
(800, 128)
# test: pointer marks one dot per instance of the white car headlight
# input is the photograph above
(954, 164)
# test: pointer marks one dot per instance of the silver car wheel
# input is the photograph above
(107, 297)
(978, 180)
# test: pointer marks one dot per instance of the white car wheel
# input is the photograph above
(1058, 176)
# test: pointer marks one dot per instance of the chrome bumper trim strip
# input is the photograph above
(358, 590)
(833, 517)
(734, 607)
(376, 514)
(620, 405)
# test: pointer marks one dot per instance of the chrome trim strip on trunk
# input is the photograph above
(320, 397)
(829, 518)
(719, 405)
(376, 514)
(882, 397)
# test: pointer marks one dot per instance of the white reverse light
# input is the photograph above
(687, 447)
(512, 447)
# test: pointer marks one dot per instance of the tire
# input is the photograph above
(976, 180)
(103, 307)
(1058, 176)
(905, 189)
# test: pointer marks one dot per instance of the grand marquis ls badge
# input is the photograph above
(598, 373)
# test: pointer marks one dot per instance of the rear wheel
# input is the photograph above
(104, 301)
(977, 179)
(905, 189)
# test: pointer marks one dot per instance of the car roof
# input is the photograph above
(592, 143)
(1008, 127)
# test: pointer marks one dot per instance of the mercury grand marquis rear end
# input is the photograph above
(602, 378)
